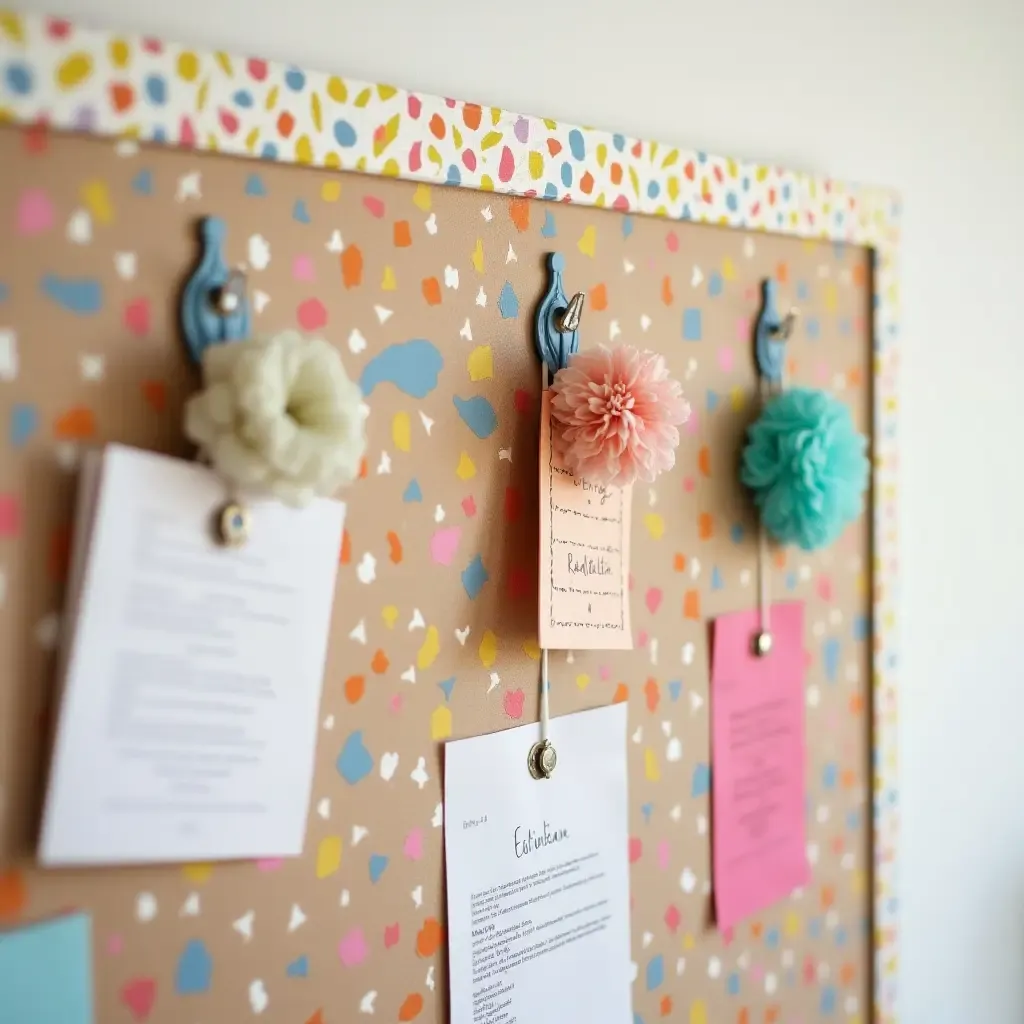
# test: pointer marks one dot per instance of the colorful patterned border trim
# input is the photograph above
(111, 84)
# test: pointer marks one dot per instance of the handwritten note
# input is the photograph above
(758, 755)
(584, 556)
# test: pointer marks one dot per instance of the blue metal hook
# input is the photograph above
(558, 319)
(771, 333)
(214, 306)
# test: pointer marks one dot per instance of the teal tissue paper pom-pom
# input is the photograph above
(805, 464)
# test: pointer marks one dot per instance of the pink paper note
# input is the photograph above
(758, 754)
(584, 556)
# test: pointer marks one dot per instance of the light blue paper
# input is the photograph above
(46, 972)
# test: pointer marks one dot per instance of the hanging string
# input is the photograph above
(545, 683)
(768, 390)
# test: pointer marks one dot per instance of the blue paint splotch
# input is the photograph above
(830, 775)
(447, 685)
(254, 186)
(195, 969)
(142, 183)
(412, 492)
(298, 968)
(692, 324)
(675, 688)
(378, 863)
(82, 295)
(299, 212)
(508, 302)
(478, 414)
(715, 285)
(549, 229)
(716, 578)
(474, 576)
(701, 784)
(830, 655)
(354, 762)
(655, 972)
(647, 810)
(412, 366)
(627, 227)
(24, 423)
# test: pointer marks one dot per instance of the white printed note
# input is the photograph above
(538, 875)
(191, 672)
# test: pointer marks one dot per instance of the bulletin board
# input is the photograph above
(428, 292)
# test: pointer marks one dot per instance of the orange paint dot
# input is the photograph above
(317, 1018)
(155, 394)
(519, 211)
(403, 236)
(285, 124)
(854, 377)
(410, 1009)
(847, 974)
(756, 929)
(364, 469)
(860, 275)
(432, 291)
(554, 147)
(771, 1015)
(355, 687)
(394, 548)
(429, 937)
(380, 663)
(743, 1017)
(679, 562)
(828, 897)
(652, 694)
(598, 297)
(704, 461)
(781, 273)
(122, 96)
(352, 266)
(856, 704)
(691, 604)
(437, 126)
(615, 172)
(12, 895)
(346, 548)
(848, 779)
(471, 115)
(705, 526)
(666, 1005)
(621, 694)
(587, 183)
(76, 424)
(666, 290)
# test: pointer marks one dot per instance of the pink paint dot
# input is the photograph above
(391, 935)
(673, 919)
(395, 703)
(469, 505)
(825, 588)
(653, 599)
(270, 864)
(507, 165)
(136, 317)
(415, 106)
(10, 515)
(642, 638)
(469, 159)
(693, 423)
(444, 544)
(743, 329)
(663, 854)
(513, 703)
(416, 156)
(672, 241)
(689, 485)
(604, 672)
(374, 206)
(352, 948)
(115, 944)
(636, 849)
(35, 212)
(312, 315)
(756, 972)
(302, 268)
(725, 359)
(413, 846)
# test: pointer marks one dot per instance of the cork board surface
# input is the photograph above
(434, 630)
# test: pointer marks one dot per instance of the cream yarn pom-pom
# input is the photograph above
(279, 416)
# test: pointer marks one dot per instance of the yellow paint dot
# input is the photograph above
(651, 769)
(602, 154)
(441, 723)
(429, 650)
(655, 525)
(251, 139)
(11, 26)
(791, 925)
(486, 183)
(478, 256)
(188, 66)
(401, 431)
(531, 649)
(488, 649)
(390, 616)
(391, 168)
(536, 164)
(96, 197)
(336, 89)
(197, 873)
(698, 1012)
(332, 160)
(421, 198)
(583, 680)
(330, 190)
(271, 101)
(480, 363)
(728, 269)
(737, 399)
(466, 470)
(388, 283)
(315, 112)
(224, 61)
(119, 53)
(688, 941)
(74, 70)
(328, 856)
(303, 150)
(831, 297)
(588, 242)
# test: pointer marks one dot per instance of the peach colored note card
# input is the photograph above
(584, 556)
(758, 758)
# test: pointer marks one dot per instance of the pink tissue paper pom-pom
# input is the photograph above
(616, 415)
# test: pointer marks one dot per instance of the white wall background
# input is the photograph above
(924, 96)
